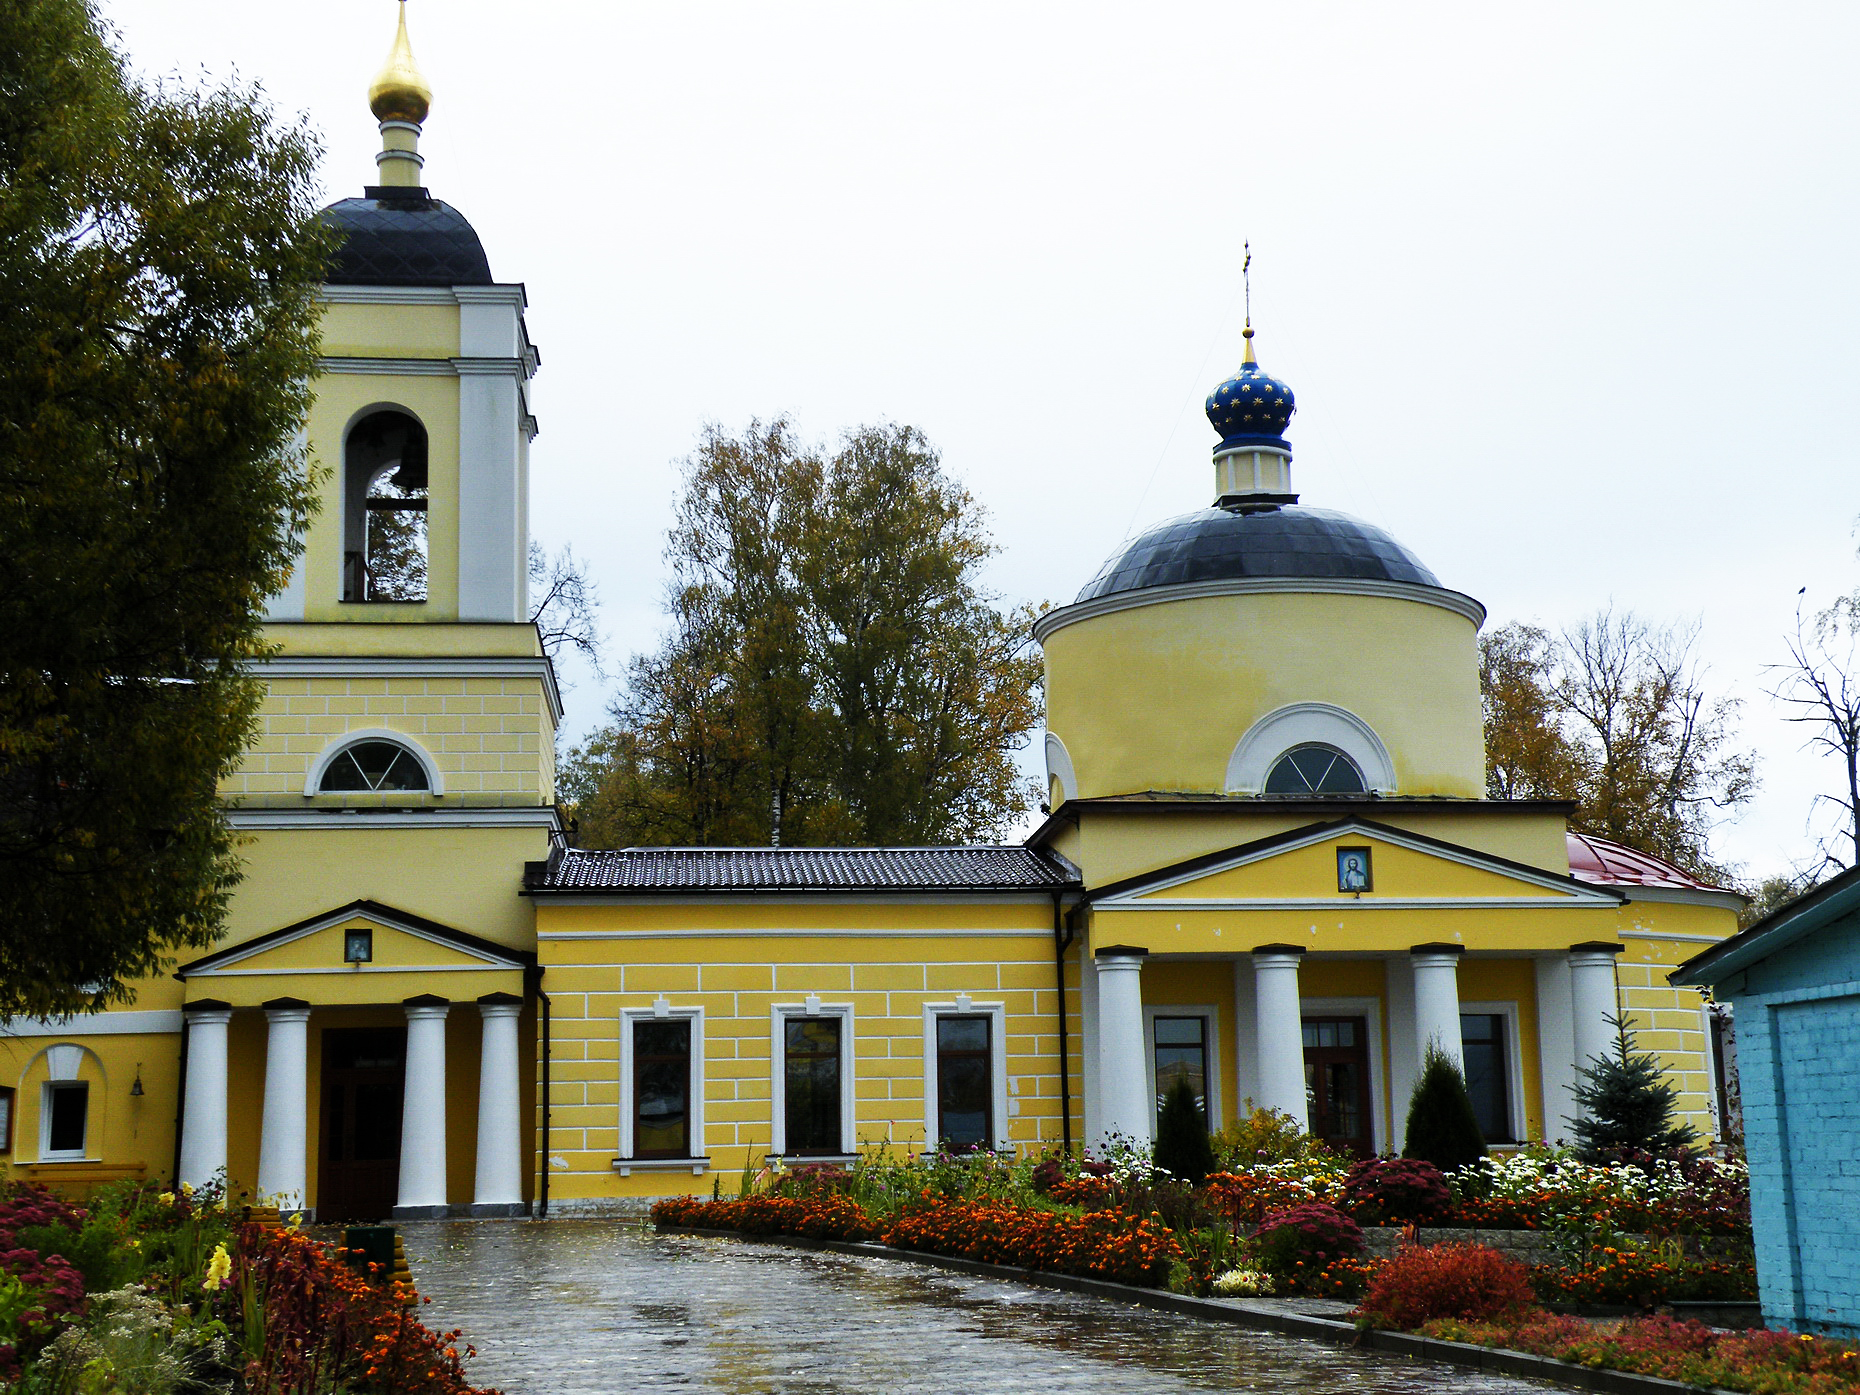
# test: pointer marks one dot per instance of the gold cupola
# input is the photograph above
(400, 99)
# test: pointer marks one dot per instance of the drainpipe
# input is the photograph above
(534, 976)
(1062, 941)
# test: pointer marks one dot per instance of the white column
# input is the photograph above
(499, 1187)
(1123, 1066)
(1246, 1039)
(283, 1145)
(1437, 1002)
(1404, 1063)
(1556, 1044)
(1281, 1031)
(423, 1112)
(203, 1123)
(1592, 999)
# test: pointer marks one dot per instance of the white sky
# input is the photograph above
(1567, 292)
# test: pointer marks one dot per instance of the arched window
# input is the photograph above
(1314, 769)
(368, 767)
(384, 509)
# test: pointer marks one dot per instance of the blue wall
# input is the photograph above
(1798, 1054)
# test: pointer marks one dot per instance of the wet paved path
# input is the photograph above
(605, 1308)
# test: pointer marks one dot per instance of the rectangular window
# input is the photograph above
(6, 1118)
(811, 1085)
(1337, 1082)
(67, 1110)
(1482, 1043)
(662, 1087)
(964, 1083)
(1181, 1048)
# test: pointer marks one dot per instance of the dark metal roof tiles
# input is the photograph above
(405, 242)
(802, 869)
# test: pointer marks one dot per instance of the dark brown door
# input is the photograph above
(362, 1072)
(1337, 1082)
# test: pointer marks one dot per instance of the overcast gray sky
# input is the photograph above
(1567, 292)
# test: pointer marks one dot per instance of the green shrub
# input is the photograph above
(1470, 1283)
(1182, 1146)
(99, 1250)
(1627, 1106)
(1265, 1136)
(1442, 1128)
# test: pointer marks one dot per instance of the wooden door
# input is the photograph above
(363, 1071)
(1337, 1082)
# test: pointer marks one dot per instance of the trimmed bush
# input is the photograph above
(1313, 1234)
(1182, 1146)
(1468, 1283)
(1442, 1128)
(1396, 1191)
(1626, 1106)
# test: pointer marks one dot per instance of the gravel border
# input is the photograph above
(1265, 1315)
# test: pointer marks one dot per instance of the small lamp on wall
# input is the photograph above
(135, 1090)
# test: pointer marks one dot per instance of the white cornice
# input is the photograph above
(410, 666)
(303, 820)
(1680, 895)
(1454, 601)
(518, 368)
(1368, 902)
(102, 1024)
(505, 293)
(1042, 934)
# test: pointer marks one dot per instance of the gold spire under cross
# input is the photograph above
(399, 92)
(1246, 276)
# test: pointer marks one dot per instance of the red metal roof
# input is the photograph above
(1597, 860)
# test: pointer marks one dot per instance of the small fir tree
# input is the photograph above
(1626, 1105)
(1442, 1127)
(1182, 1144)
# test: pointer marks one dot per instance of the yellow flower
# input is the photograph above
(166, 1198)
(296, 1220)
(187, 1189)
(219, 1270)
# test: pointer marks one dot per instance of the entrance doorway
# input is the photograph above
(363, 1070)
(1337, 1082)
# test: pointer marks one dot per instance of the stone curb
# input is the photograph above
(1496, 1360)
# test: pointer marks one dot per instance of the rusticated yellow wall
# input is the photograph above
(1156, 697)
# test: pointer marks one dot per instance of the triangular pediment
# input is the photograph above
(398, 941)
(1352, 862)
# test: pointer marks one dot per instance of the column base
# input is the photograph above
(421, 1213)
(489, 1210)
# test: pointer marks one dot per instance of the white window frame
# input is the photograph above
(964, 1006)
(1285, 729)
(779, 1014)
(698, 1162)
(46, 1091)
(1370, 1010)
(1514, 1064)
(435, 786)
(1210, 1016)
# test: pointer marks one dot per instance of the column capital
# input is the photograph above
(209, 1013)
(1120, 952)
(1437, 947)
(1277, 951)
(489, 1009)
(1596, 947)
(287, 1010)
(426, 1007)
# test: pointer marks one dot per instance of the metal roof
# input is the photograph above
(800, 869)
(1605, 863)
(1222, 544)
(405, 241)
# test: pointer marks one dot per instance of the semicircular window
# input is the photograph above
(371, 766)
(1315, 770)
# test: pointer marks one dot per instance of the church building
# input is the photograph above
(1270, 866)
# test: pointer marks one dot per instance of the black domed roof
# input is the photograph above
(1223, 545)
(401, 237)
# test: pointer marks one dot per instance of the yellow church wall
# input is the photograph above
(126, 1135)
(1512, 981)
(1156, 697)
(1127, 840)
(490, 738)
(1398, 872)
(1202, 983)
(737, 981)
(376, 330)
(429, 640)
(465, 878)
(339, 399)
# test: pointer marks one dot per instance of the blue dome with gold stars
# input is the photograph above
(1250, 408)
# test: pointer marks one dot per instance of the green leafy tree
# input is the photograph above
(159, 255)
(835, 672)
(1626, 1105)
(1614, 715)
(1442, 1128)
(1183, 1147)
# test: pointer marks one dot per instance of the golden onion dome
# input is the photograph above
(399, 92)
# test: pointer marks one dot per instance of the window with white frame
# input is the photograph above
(965, 1075)
(1182, 1044)
(811, 1080)
(661, 1085)
(64, 1120)
(1489, 1048)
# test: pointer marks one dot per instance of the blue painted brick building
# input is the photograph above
(1793, 980)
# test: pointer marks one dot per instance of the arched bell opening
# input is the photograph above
(384, 509)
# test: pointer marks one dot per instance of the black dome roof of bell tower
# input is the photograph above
(1228, 544)
(404, 237)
